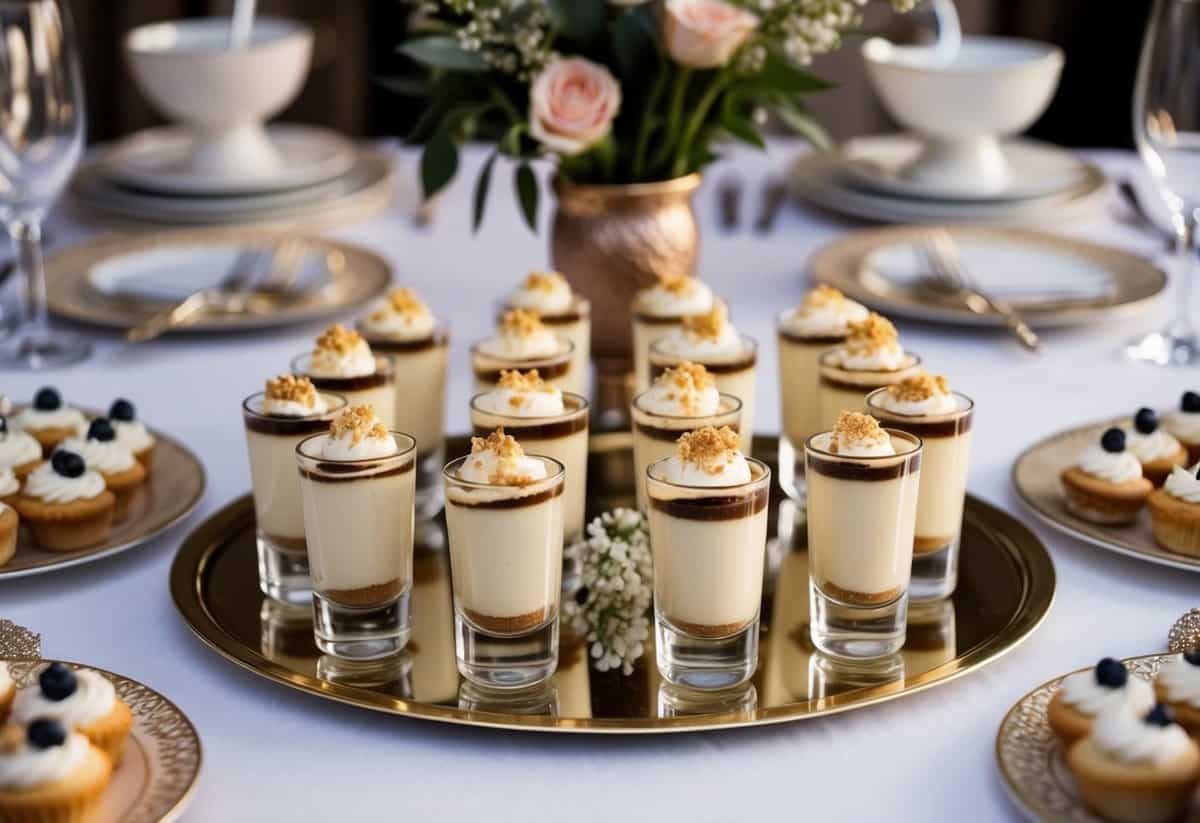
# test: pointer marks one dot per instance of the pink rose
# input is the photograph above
(704, 34)
(572, 105)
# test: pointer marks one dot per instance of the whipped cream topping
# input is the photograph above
(6, 681)
(499, 460)
(922, 395)
(133, 435)
(1179, 679)
(401, 315)
(341, 352)
(357, 434)
(106, 457)
(9, 485)
(64, 417)
(687, 390)
(871, 344)
(675, 297)
(824, 312)
(18, 448)
(1127, 738)
(291, 396)
(1183, 483)
(1121, 467)
(24, 766)
(859, 435)
(707, 457)
(521, 335)
(522, 395)
(1184, 425)
(546, 292)
(702, 336)
(45, 484)
(1084, 693)
(93, 698)
(1157, 445)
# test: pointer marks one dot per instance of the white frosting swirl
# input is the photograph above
(683, 297)
(9, 485)
(18, 448)
(1180, 681)
(133, 435)
(1083, 693)
(412, 322)
(485, 465)
(29, 766)
(822, 315)
(1147, 448)
(106, 457)
(1127, 738)
(276, 407)
(93, 698)
(64, 417)
(542, 402)
(879, 358)
(351, 445)
(1119, 467)
(728, 469)
(1184, 425)
(688, 345)
(511, 345)
(547, 293)
(1182, 483)
(669, 400)
(355, 361)
(45, 484)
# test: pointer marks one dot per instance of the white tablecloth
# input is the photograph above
(274, 754)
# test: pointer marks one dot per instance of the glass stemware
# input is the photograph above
(1166, 126)
(41, 140)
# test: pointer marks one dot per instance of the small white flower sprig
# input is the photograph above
(611, 608)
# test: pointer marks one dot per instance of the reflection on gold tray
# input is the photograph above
(1031, 759)
(158, 772)
(1005, 589)
(171, 492)
(1035, 477)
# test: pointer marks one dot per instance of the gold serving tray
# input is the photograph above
(1006, 586)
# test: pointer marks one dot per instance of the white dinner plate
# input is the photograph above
(155, 160)
(876, 164)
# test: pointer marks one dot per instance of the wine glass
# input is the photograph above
(1166, 126)
(41, 140)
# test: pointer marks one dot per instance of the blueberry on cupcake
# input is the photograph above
(102, 451)
(1106, 484)
(1155, 448)
(132, 434)
(66, 505)
(49, 773)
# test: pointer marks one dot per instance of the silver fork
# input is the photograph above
(941, 255)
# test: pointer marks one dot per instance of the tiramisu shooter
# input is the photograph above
(818, 324)
(357, 484)
(544, 420)
(713, 342)
(870, 358)
(683, 398)
(276, 420)
(659, 309)
(567, 314)
(504, 517)
(19, 451)
(400, 327)
(923, 405)
(342, 362)
(522, 342)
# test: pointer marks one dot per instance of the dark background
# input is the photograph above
(356, 39)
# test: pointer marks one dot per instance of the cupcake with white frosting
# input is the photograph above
(1175, 511)
(1106, 484)
(82, 700)
(1084, 695)
(131, 432)
(1178, 685)
(9, 524)
(49, 420)
(1184, 423)
(19, 451)
(50, 774)
(1136, 767)
(66, 504)
(102, 451)
(1155, 448)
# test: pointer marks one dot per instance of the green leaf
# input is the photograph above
(634, 46)
(439, 163)
(742, 128)
(441, 53)
(527, 194)
(482, 184)
(780, 74)
(405, 86)
(510, 143)
(805, 125)
(581, 20)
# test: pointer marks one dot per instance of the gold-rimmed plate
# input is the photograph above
(1005, 590)
(1035, 476)
(171, 492)
(1091, 281)
(1031, 760)
(156, 778)
(117, 281)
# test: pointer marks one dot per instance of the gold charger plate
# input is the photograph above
(1137, 282)
(157, 776)
(1035, 478)
(170, 493)
(1006, 588)
(1031, 760)
(355, 274)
